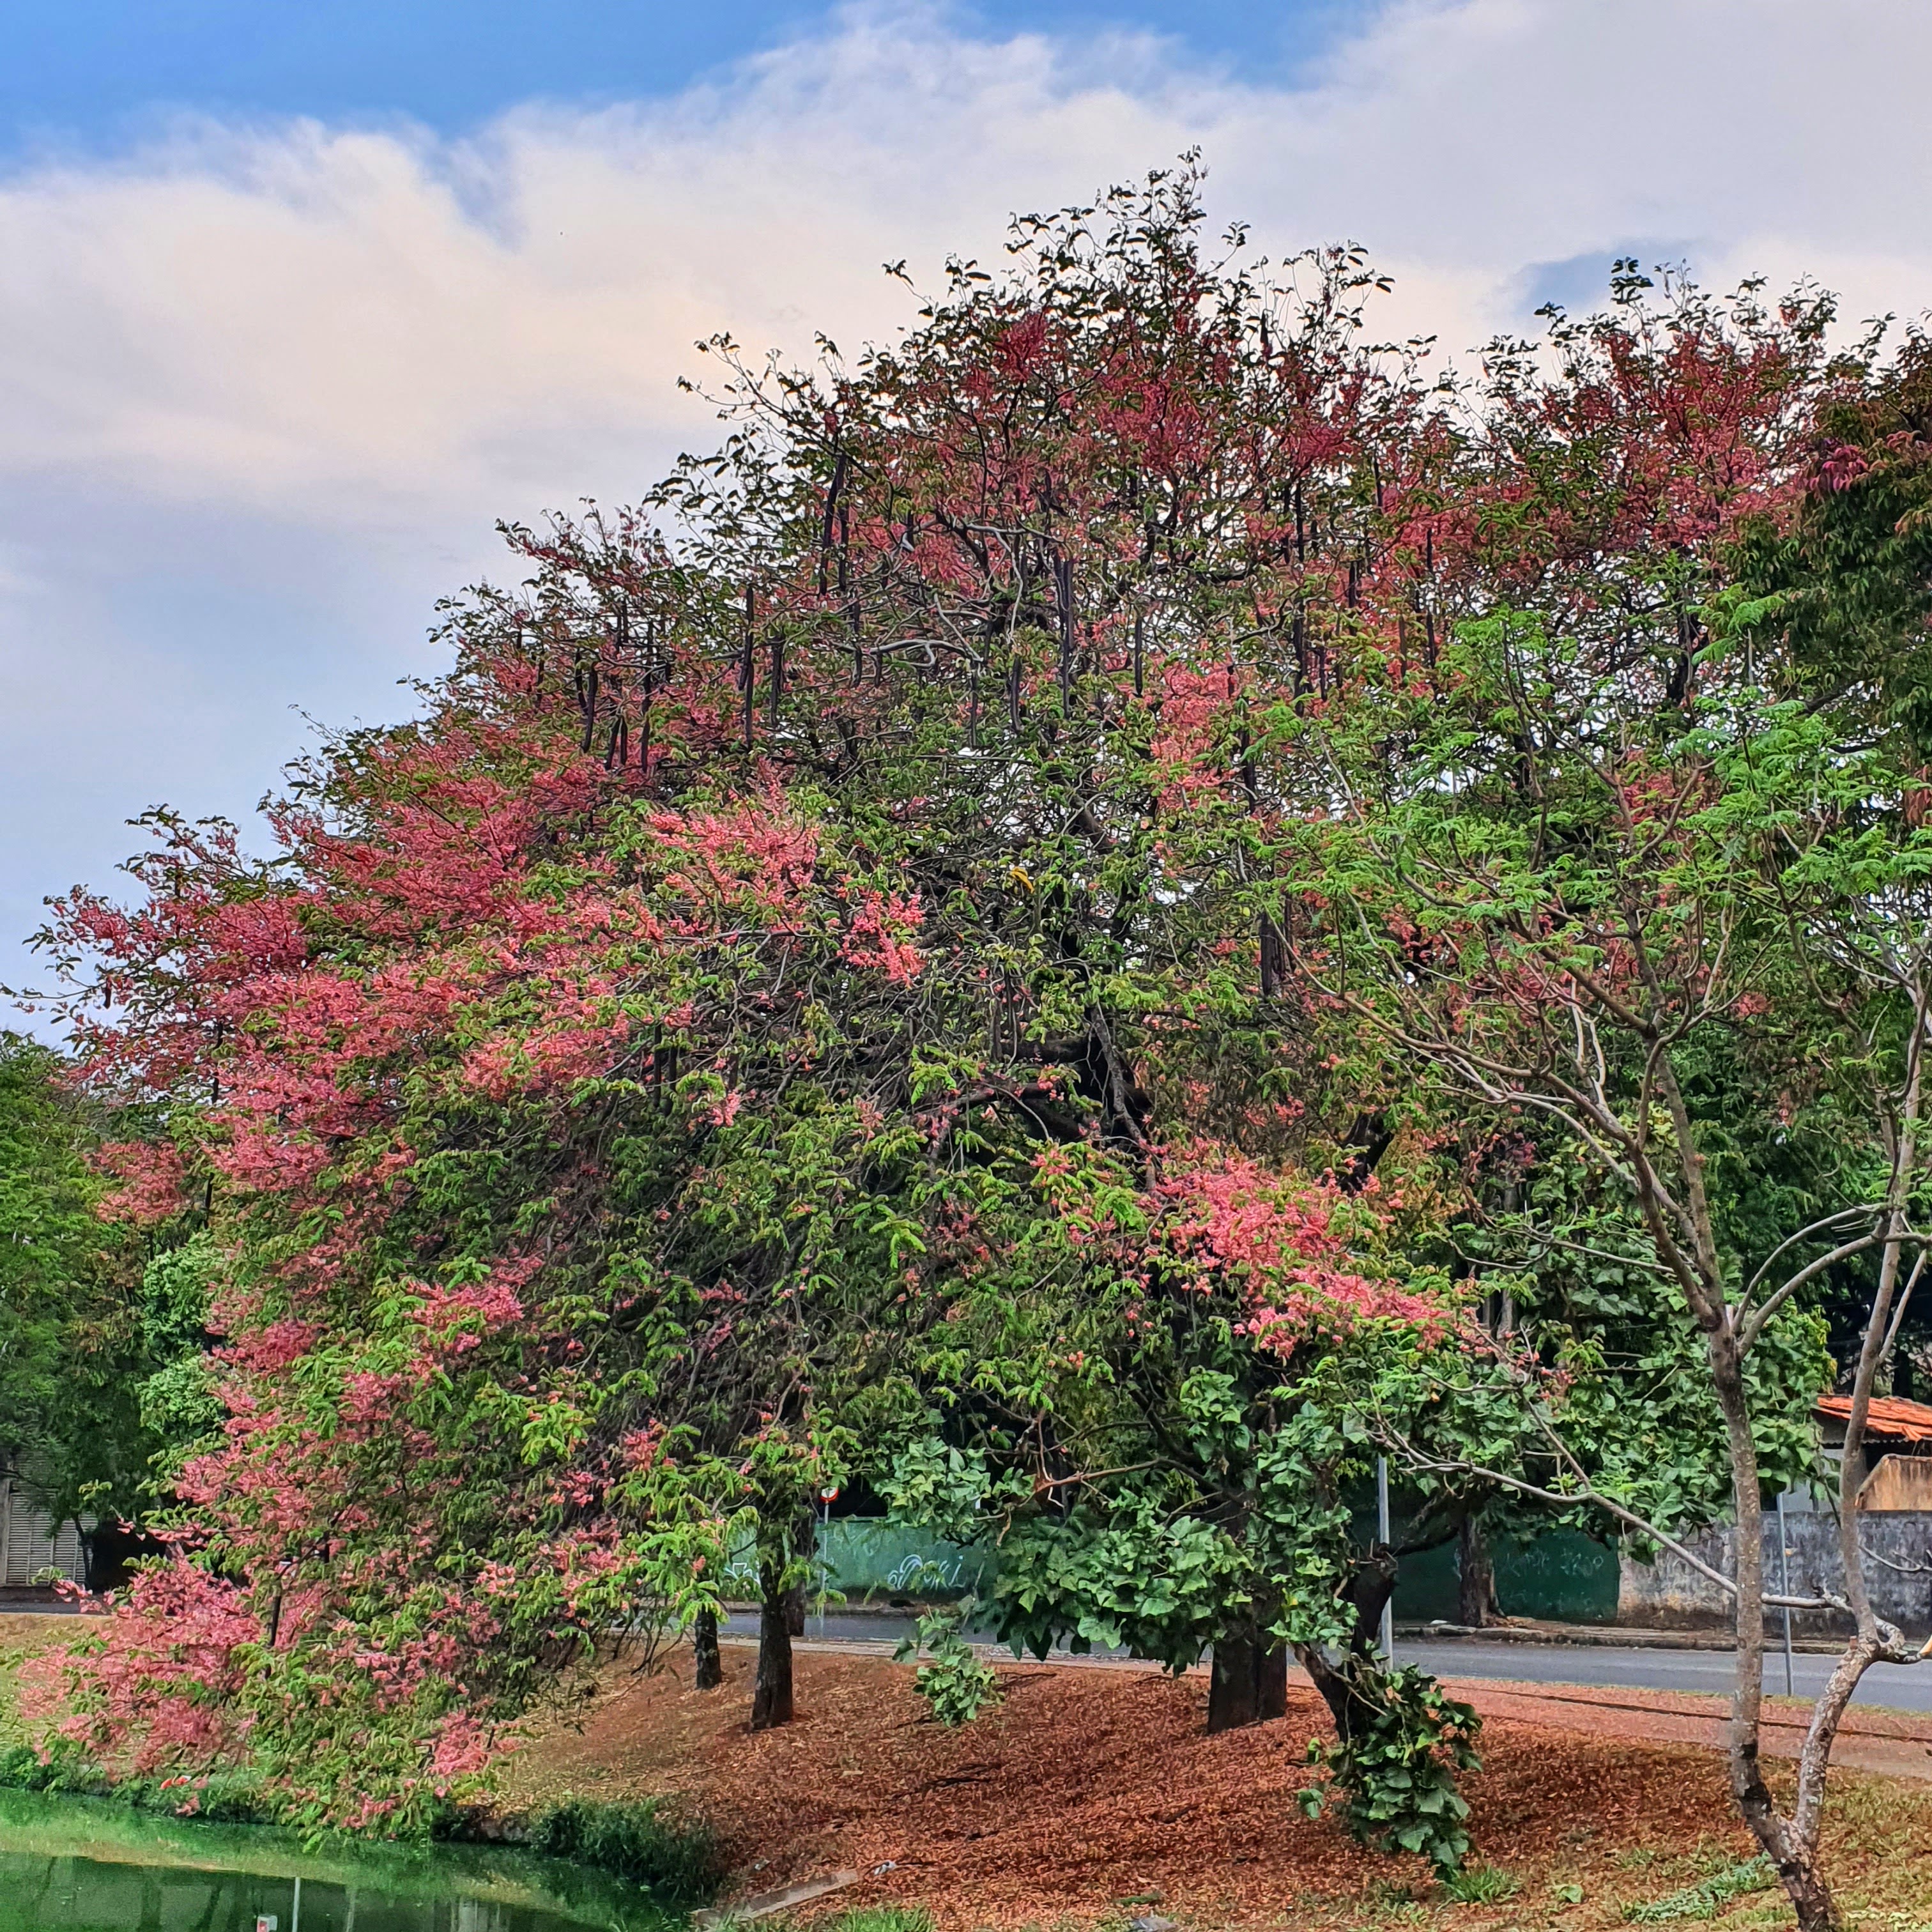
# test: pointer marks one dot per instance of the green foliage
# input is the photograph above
(231, 1797)
(1636, 1405)
(1666, 952)
(880, 1918)
(179, 1406)
(1396, 1765)
(677, 1859)
(1479, 1884)
(71, 1347)
(956, 1683)
(937, 1485)
(1140, 1574)
(1218, 1460)
(1839, 594)
(1708, 1896)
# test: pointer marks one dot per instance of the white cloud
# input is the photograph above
(321, 359)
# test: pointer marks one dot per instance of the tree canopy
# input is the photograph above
(1078, 923)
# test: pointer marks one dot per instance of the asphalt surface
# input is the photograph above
(1896, 1687)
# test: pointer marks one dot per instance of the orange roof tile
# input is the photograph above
(1887, 1416)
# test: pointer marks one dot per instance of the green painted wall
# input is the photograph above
(868, 1560)
(1562, 1576)
(872, 1561)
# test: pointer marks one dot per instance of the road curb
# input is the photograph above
(1602, 1637)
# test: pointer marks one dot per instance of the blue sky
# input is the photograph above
(99, 71)
(298, 298)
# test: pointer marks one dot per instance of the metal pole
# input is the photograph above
(824, 1558)
(1784, 1589)
(1382, 1532)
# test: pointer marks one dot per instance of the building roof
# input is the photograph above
(1895, 1420)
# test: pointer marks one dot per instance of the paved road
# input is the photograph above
(1898, 1687)
(1895, 1686)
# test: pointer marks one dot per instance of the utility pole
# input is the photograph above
(1784, 1589)
(826, 1497)
(1382, 1532)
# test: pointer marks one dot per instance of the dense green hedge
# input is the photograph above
(234, 1798)
(675, 1860)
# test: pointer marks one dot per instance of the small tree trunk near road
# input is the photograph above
(1273, 1674)
(771, 1694)
(710, 1668)
(1371, 1587)
(1476, 1578)
(1249, 1682)
(797, 1597)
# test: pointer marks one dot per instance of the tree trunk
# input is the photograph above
(1476, 1586)
(1335, 1685)
(798, 1596)
(1249, 1683)
(710, 1668)
(1810, 1898)
(771, 1695)
(1792, 1845)
(1274, 1674)
(1234, 1691)
(1791, 1848)
(1369, 1589)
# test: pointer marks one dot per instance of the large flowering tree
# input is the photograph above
(586, 1106)
(831, 978)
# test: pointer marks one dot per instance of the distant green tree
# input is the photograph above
(71, 1344)
(1577, 900)
(180, 1407)
(1845, 583)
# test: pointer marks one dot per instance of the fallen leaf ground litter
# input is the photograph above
(1090, 1787)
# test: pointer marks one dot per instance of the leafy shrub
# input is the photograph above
(957, 1684)
(1479, 1885)
(22, 1769)
(882, 1918)
(1407, 1740)
(228, 1797)
(677, 1860)
(1708, 1896)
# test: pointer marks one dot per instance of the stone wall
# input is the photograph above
(1898, 1543)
